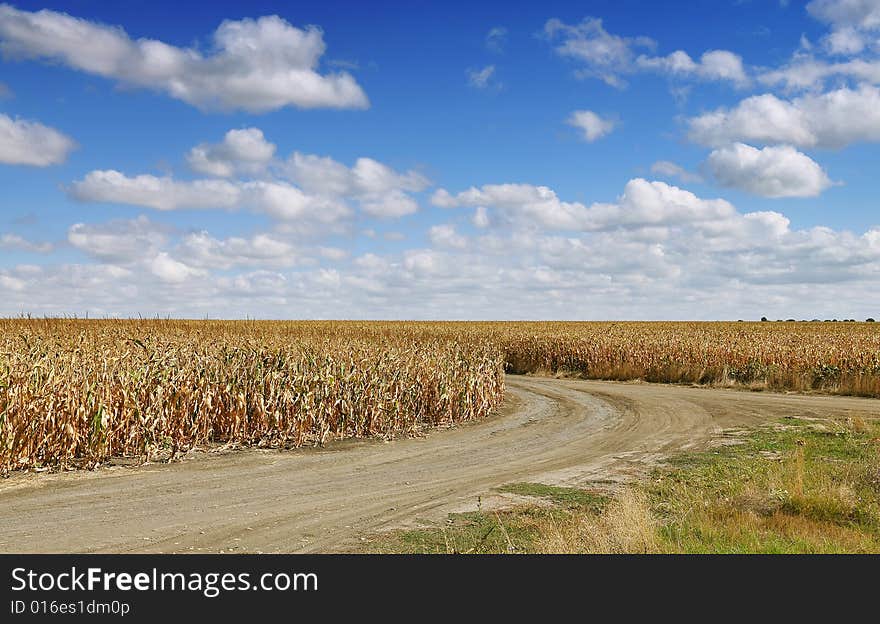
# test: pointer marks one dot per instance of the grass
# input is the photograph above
(564, 496)
(505, 531)
(797, 486)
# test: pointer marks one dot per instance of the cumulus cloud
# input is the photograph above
(642, 204)
(591, 125)
(172, 271)
(656, 251)
(244, 150)
(847, 53)
(777, 171)
(832, 119)
(714, 65)
(523, 203)
(255, 65)
(143, 245)
(852, 23)
(609, 57)
(201, 250)
(304, 188)
(805, 72)
(160, 193)
(277, 199)
(121, 241)
(380, 190)
(446, 236)
(847, 13)
(24, 142)
(845, 41)
(288, 203)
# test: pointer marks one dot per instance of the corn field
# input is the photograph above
(74, 393)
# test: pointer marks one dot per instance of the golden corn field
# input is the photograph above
(77, 392)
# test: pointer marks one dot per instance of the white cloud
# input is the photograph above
(806, 72)
(854, 38)
(277, 199)
(778, 171)
(601, 54)
(389, 205)
(481, 217)
(241, 150)
(446, 236)
(143, 244)
(609, 57)
(333, 253)
(24, 142)
(671, 170)
(149, 191)
(652, 203)
(842, 14)
(288, 203)
(522, 203)
(656, 251)
(367, 177)
(833, 119)
(591, 125)
(642, 204)
(370, 177)
(481, 78)
(319, 174)
(496, 39)
(714, 65)
(860, 13)
(444, 199)
(14, 241)
(120, 241)
(201, 250)
(845, 42)
(254, 65)
(172, 271)
(380, 190)
(853, 24)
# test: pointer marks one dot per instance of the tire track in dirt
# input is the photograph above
(555, 431)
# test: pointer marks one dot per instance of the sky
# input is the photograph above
(346, 160)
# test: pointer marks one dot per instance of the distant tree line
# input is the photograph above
(764, 319)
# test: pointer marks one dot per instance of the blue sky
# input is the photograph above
(415, 160)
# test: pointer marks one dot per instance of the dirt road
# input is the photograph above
(549, 430)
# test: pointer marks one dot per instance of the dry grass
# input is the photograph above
(801, 488)
(626, 525)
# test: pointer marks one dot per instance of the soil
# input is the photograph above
(554, 431)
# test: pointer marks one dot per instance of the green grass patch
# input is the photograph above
(795, 486)
(508, 531)
(565, 496)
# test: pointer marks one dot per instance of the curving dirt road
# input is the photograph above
(549, 430)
